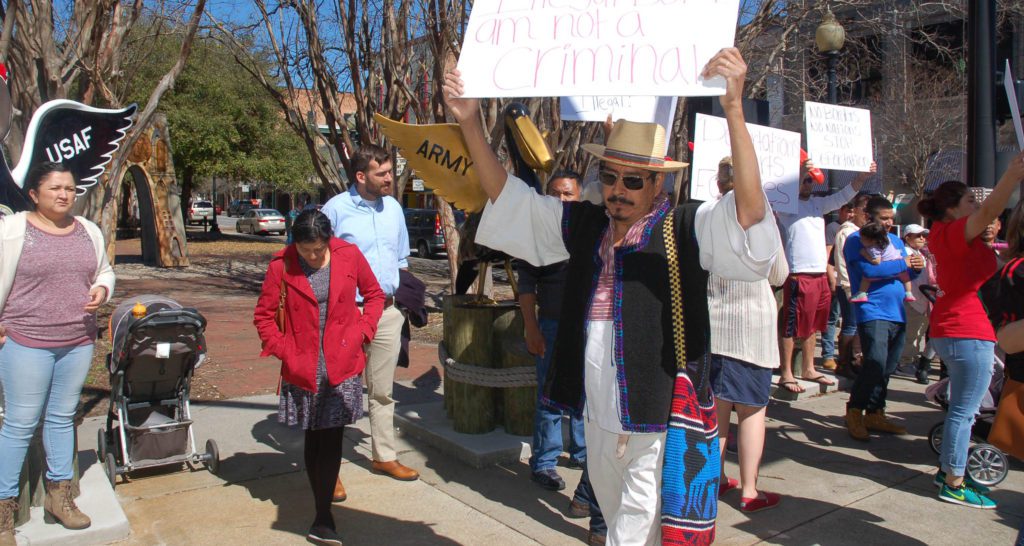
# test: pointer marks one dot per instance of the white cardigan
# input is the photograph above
(12, 238)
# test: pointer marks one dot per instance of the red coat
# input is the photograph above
(346, 329)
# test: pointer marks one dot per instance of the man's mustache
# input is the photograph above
(620, 199)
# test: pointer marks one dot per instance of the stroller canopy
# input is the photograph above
(159, 310)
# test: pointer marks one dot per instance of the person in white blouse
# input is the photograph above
(615, 341)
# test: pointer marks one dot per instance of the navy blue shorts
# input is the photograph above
(740, 382)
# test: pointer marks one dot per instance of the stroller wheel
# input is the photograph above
(212, 457)
(101, 444)
(935, 438)
(987, 465)
(111, 468)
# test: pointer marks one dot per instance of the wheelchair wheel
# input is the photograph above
(987, 465)
(935, 438)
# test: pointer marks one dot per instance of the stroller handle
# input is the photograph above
(164, 318)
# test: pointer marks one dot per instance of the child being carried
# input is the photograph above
(877, 249)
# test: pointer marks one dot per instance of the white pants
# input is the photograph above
(627, 485)
(381, 361)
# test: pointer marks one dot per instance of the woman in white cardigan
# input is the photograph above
(744, 350)
(54, 275)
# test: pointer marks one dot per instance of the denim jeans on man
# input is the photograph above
(39, 383)
(969, 364)
(882, 343)
(547, 422)
(828, 338)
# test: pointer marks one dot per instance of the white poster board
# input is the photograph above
(778, 156)
(644, 109)
(839, 137)
(555, 48)
(1011, 96)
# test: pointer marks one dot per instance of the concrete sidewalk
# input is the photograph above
(835, 490)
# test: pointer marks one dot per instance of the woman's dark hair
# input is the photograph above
(1015, 233)
(945, 197)
(311, 226)
(875, 232)
(42, 170)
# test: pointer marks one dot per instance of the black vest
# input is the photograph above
(645, 357)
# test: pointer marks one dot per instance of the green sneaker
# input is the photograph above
(940, 479)
(967, 496)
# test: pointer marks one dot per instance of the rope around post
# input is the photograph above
(501, 378)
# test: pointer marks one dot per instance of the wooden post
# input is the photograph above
(468, 332)
(518, 404)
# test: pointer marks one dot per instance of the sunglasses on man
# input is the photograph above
(630, 181)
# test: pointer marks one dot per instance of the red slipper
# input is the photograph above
(763, 501)
(728, 485)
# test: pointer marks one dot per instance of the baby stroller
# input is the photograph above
(986, 464)
(156, 346)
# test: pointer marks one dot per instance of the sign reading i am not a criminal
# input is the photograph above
(778, 159)
(838, 137)
(555, 48)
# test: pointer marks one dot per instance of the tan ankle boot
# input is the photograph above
(876, 420)
(7, 509)
(60, 506)
(855, 424)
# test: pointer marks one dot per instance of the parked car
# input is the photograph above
(261, 221)
(200, 210)
(239, 206)
(425, 233)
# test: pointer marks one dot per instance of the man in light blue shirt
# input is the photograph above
(368, 217)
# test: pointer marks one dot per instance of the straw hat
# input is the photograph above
(633, 144)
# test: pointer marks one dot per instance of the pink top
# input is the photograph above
(601, 308)
(46, 306)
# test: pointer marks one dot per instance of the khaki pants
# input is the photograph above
(917, 327)
(381, 361)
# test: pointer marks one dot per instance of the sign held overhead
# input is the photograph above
(839, 137)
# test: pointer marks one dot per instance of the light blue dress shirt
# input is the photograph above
(377, 228)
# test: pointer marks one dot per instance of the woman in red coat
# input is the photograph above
(321, 348)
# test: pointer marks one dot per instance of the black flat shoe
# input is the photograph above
(319, 534)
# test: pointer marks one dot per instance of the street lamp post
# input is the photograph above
(830, 37)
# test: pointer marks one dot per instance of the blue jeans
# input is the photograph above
(882, 342)
(828, 338)
(547, 422)
(969, 363)
(846, 311)
(585, 493)
(38, 383)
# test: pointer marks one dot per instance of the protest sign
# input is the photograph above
(839, 137)
(1011, 95)
(555, 48)
(660, 110)
(778, 157)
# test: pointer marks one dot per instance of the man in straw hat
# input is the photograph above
(651, 432)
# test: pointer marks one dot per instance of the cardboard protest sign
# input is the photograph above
(778, 156)
(839, 137)
(1011, 95)
(554, 48)
(645, 109)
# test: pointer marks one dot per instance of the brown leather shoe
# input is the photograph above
(855, 425)
(59, 506)
(396, 470)
(339, 492)
(876, 420)
(829, 364)
(7, 509)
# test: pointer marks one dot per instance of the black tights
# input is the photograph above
(322, 454)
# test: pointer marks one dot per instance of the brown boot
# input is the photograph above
(829, 364)
(855, 424)
(339, 491)
(876, 420)
(7, 509)
(60, 506)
